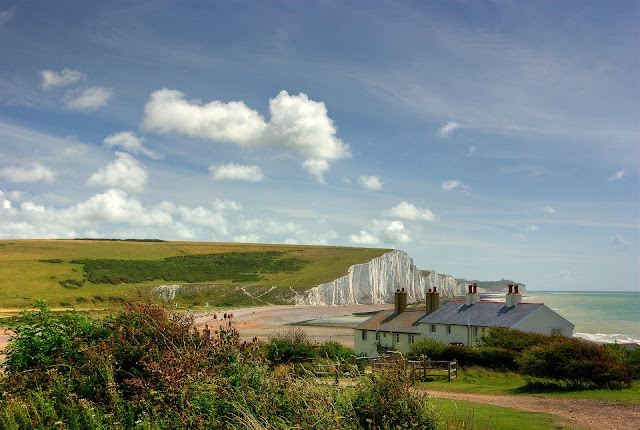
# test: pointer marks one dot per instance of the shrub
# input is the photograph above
(288, 346)
(575, 363)
(333, 350)
(513, 340)
(385, 402)
(427, 346)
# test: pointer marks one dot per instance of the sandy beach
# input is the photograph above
(264, 322)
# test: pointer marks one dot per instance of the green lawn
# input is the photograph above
(461, 415)
(96, 273)
(482, 381)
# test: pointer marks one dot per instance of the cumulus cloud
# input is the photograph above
(51, 79)
(618, 239)
(411, 212)
(618, 175)
(448, 128)
(549, 210)
(124, 172)
(130, 143)
(236, 172)
(36, 172)
(4, 202)
(227, 205)
(370, 182)
(390, 232)
(316, 169)
(88, 99)
(454, 185)
(297, 124)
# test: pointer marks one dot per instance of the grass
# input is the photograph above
(61, 271)
(483, 381)
(468, 415)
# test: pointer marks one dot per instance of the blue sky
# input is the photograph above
(487, 139)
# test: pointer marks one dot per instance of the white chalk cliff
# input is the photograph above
(376, 281)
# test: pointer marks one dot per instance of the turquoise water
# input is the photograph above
(598, 316)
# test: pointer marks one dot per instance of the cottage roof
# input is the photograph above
(389, 321)
(484, 314)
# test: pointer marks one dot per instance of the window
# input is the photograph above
(411, 340)
(448, 329)
(483, 330)
(364, 335)
(433, 328)
(556, 332)
(397, 337)
(475, 331)
(384, 334)
(377, 336)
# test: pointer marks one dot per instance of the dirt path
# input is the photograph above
(593, 414)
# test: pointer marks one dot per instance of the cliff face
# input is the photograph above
(376, 281)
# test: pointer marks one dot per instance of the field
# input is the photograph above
(95, 273)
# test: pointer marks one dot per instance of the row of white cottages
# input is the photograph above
(456, 322)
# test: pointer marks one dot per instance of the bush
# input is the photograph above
(427, 346)
(333, 350)
(288, 346)
(575, 363)
(385, 402)
(513, 340)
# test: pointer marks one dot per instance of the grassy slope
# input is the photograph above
(25, 277)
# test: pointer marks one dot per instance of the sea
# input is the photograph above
(611, 317)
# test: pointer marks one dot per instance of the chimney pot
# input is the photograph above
(510, 288)
(403, 290)
(398, 290)
(429, 289)
(517, 288)
(434, 289)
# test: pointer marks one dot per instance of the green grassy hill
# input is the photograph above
(93, 273)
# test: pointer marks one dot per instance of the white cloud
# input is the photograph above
(88, 99)
(227, 205)
(549, 210)
(35, 173)
(114, 206)
(448, 128)
(472, 149)
(297, 124)
(533, 228)
(364, 238)
(246, 238)
(370, 182)
(124, 172)
(618, 175)
(51, 79)
(130, 143)
(618, 239)
(316, 169)
(390, 232)
(409, 211)
(454, 185)
(237, 172)
(4, 202)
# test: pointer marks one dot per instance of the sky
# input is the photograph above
(487, 139)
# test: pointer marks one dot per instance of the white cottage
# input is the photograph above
(465, 321)
(456, 322)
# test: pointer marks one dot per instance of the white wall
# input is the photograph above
(542, 321)
(386, 340)
(458, 333)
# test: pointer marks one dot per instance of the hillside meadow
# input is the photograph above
(96, 273)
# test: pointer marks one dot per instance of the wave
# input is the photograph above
(607, 338)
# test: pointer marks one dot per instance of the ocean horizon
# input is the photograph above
(599, 316)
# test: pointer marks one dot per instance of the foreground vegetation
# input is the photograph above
(97, 273)
(141, 368)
